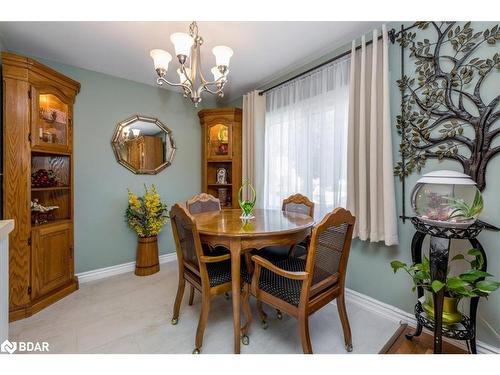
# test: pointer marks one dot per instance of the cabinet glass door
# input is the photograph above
(51, 121)
(219, 144)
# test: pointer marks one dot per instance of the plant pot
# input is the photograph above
(451, 315)
(147, 262)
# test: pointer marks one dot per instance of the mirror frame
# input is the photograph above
(115, 145)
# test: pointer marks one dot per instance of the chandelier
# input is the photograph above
(191, 79)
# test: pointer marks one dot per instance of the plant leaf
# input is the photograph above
(487, 286)
(437, 286)
(396, 265)
(456, 283)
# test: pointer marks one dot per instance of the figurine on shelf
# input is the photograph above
(41, 214)
(223, 196)
(222, 176)
(223, 138)
(43, 178)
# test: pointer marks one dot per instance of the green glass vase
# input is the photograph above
(247, 204)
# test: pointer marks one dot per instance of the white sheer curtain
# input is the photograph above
(370, 180)
(306, 138)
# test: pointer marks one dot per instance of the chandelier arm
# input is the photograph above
(183, 71)
(219, 89)
(160, 81)
(220, 80)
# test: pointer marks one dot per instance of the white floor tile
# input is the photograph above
(131, 314)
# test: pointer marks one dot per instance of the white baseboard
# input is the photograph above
(102, 273)
(401, 316)
(368, 303)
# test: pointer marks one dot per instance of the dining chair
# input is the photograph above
(294, 203)
(203, 203)
(210, 275)
(300, 287)
(199, 203)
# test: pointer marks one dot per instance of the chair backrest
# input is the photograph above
(187, 239)
(203, 203)
(298, 203)
(329, 247)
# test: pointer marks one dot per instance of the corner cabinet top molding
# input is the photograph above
(26, 69)
(38, 172)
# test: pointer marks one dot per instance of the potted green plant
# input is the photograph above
(471, 283)
(146, 215)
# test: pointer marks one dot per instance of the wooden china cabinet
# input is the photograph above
(221, 149)
(38, 168)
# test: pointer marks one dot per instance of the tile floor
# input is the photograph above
(130, 314)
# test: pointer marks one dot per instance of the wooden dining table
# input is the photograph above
(267, 228)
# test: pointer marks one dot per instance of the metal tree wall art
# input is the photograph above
(444, 112)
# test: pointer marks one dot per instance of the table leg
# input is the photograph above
(235, 247)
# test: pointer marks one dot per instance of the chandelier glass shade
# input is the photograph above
(188, 51)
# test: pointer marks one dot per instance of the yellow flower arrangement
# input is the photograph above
(146, 215)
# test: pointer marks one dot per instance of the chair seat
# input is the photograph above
(286, 289)
(214, 251)
(277, 253)
(220, 273)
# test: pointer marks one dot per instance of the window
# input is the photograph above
(306, 138)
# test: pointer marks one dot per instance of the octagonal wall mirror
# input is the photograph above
(144, 145)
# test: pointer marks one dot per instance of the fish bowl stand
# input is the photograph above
(440, 239)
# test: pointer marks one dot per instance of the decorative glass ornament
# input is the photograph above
(247, 205)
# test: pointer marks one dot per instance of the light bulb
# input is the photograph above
(217, 74)
(222, 55)
(136, 132)
(182, 43)
(161, 60)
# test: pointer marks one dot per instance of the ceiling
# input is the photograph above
(263, 51)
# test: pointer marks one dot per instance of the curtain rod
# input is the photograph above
(392, 34)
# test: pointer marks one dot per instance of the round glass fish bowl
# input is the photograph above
(447, 199)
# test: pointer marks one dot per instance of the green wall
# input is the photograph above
(369, 271)
(369, 258)
(102, 237)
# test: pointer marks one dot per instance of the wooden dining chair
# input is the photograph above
(203, 203)
(294, 203)
(199, 203)
(210, 275)
(300, 287)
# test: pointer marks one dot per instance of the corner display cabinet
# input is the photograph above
(221, 154)
(38, 183)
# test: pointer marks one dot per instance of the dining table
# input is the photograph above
(268, 227)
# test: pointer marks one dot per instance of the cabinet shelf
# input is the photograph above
(50, 223)
(219, 185)
(53, 188)
(213, 160)
(38, 151)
